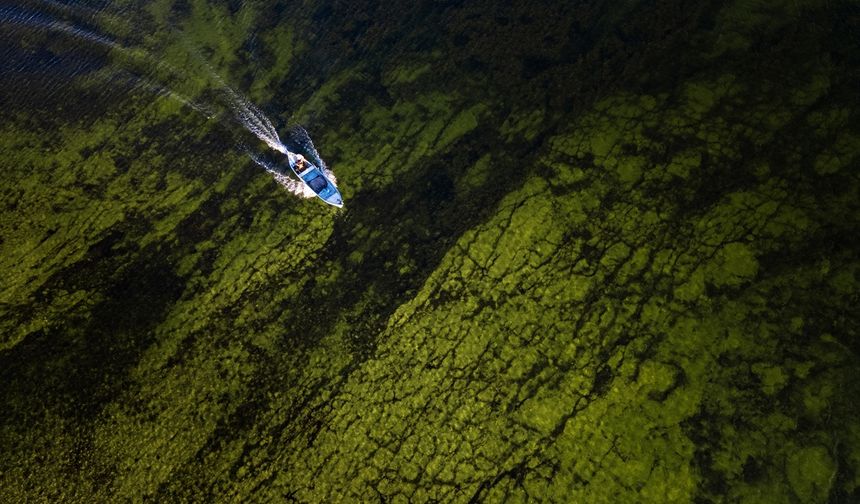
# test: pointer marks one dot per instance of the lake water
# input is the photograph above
(589, 252)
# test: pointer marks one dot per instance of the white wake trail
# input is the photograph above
(38, 21)
(251, 117)
(244, 112)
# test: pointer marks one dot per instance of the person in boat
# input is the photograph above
(301, 165)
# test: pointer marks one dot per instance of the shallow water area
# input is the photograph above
(591, 252)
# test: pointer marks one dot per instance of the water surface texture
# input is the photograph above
(590, 252)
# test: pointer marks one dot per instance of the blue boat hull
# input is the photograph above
(317, 181)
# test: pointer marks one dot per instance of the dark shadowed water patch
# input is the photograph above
(56, 73)
(74, 368)
(418, 219)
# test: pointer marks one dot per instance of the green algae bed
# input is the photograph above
(591, 252)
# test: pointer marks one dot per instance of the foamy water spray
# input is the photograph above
(251, 117)
(256, 121)
(289, 183)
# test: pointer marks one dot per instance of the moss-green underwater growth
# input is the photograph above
(616, 263)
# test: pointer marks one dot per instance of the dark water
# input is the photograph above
(590, 252)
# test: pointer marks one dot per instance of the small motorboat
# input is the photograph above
(315, 178)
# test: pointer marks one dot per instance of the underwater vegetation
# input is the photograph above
(597, 252)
